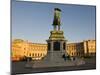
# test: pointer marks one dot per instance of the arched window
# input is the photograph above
(38, 54)
(41, 54)
(33, 54)
(30, 54)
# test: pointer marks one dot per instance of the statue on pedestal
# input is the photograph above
(56, 21)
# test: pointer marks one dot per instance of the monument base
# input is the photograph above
(47, 64)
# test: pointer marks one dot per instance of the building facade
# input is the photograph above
(75, 49)
(21, 49)
(85, 48)
(89, 48)
(37, 51)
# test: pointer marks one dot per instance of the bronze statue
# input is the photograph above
(56, 21)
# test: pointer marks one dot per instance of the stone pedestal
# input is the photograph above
(56, 46)
(56, 50)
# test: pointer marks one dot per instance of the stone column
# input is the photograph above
(61, 47)
(51, 46)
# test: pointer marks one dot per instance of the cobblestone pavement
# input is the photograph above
(19, 67)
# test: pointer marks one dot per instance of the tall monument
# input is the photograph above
(56, 42)
(56, 47)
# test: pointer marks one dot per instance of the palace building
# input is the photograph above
(75, 49)
(37, 51)
(85, 48)
(21, 48)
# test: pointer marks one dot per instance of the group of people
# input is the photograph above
(67, 57)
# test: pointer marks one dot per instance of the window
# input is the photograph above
(33, 54)
(38, 55)
(41, 55)
(30, 54)
(72, 54)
